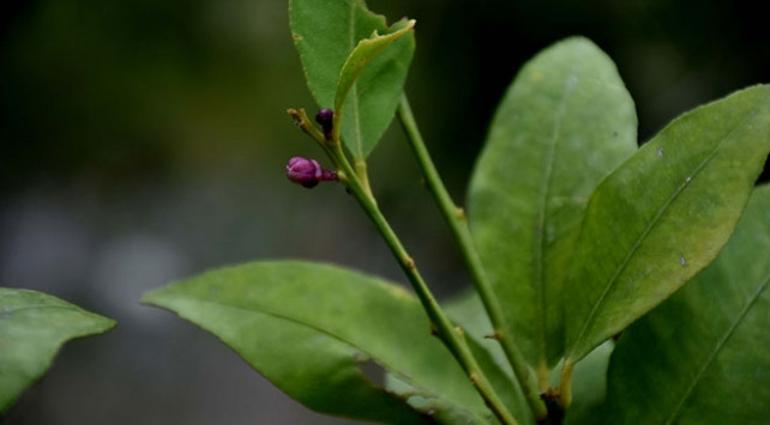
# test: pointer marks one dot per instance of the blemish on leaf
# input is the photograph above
(682, 261)
(373, 371)
(660, 152)
(296, 37)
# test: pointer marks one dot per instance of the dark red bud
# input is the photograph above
(307, 172)
(325, 118)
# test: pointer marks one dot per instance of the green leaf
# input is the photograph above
(308, 328)
(703, 356)
(349, 112)
(501, 380)
(325, 34)
(566, 122)
(664, 215)
(33, 327)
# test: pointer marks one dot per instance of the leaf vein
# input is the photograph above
(354, 112)
(717, 348)
(9, 312)
(637, 244)
(545, 189)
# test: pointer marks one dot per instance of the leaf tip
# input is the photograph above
(107, 324)
(150, 298)
(403, 25)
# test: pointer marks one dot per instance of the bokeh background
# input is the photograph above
(144, 141)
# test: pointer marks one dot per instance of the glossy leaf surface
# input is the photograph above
(703, 356)
(566, 122)
(33, 327)
(309, 327)
(664, 215)
(325, 34)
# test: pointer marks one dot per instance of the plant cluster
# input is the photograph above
(612, 283)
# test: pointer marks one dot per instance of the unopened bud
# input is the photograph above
(307, 172)
(325, 118)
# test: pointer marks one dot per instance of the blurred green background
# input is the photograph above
(143, 141)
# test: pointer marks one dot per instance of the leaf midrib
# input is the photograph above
(717, 348)
(538, 247)
(354, 112)
(637, 244)
(426, 392)
(9, 312)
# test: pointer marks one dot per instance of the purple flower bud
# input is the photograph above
(307, 172)
(325, 118)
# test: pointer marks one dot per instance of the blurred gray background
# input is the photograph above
(144, 141)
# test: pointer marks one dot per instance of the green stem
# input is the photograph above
(452, 337)
(363, 176)
(458, 222)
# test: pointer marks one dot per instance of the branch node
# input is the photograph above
(297, 116)
(301, 120)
